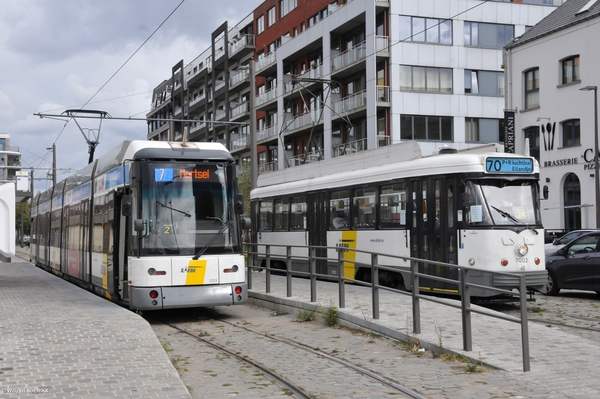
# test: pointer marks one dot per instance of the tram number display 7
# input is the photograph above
(509, 165)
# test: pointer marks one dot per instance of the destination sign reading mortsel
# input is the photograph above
(509, 165)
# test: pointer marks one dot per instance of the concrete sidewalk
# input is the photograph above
(562, 365)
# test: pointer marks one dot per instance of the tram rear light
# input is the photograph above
(504, 262)
(233, 269)
(537, 261)
(161, 272)
(238, 290)
(153, 294)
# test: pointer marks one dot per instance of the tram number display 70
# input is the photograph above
(508, 165)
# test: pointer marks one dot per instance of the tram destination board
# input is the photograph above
(509, 165)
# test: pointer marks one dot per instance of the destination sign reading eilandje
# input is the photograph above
(509, 165)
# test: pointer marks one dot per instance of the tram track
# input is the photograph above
(301, 385)
(298, 354)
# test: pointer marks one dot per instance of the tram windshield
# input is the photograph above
(186, 208)
(501, 202)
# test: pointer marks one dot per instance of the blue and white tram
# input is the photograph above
(461, 208)
(150, 225)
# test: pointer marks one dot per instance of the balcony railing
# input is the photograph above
(239, 77)
(300, 121)
(219, 84)
(383, 94)
(240, 109)
(266, 96)
(197, 127)
(350, 147)
(351, 102)
(240, 143)
(383, 44)
(312, 73)
(265, 61)
(238, 44)
(349, 56)
(197, 99)
(304, 159)
(267, 132)
(268, 167)
(220, 114)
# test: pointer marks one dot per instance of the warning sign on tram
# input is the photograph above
(509, 165)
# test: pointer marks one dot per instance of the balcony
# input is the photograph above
(263, 63)
(220, 114)
(351, 103)
(267, 167)
(239, 44)
(349, 56)
(239, 77)
(383, 94)
(266, 97)
(239, 110)
(297, 82)
(266, 133)
(310, 157)
(382, 44)
(240, 143)
(350, 147)
(300, 121)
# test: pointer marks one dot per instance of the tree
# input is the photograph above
(244, 187)
(23, 208)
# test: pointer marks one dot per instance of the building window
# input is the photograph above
(285, 6)
(572, 208)
(425, 30)
(433, 80)
(260, 24)
(570, 70)
(484, 130)
(271, 16)
(479, 34)
(485, 83)
(426, 128)
(571, 133)
(532, 88)
(533, 134)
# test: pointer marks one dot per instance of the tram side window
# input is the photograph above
(298, 214)
(339, 205)
(392, 204)
(281, 214)
(266, 216)
(364, 208)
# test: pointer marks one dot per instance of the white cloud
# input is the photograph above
(57, 55)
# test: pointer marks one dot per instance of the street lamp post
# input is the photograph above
(596, 168)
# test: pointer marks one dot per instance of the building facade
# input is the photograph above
(302, 81)
(551, 72)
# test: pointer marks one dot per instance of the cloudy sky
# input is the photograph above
(57, 54)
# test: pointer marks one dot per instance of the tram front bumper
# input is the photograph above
(143, 298)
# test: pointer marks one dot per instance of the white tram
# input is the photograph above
(461, 208)
(150, 225)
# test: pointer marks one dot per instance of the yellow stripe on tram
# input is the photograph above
(349, 241)
(196, 272)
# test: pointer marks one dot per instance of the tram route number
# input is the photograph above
(522, 260)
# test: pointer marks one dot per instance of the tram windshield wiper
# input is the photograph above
(513, 219)
(173, 209)
(201, 252)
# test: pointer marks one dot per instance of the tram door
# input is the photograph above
(433, 229)
(317, 228)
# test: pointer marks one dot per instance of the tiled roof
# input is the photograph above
(563, 17)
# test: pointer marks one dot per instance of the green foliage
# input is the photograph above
(244, 186)
(330, 316)
(306, 315)
(22, 208)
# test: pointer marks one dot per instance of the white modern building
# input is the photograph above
(552, 80)
(310, 80)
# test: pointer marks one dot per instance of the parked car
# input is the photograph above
(26, 240)
(576, 265)
(564, 240)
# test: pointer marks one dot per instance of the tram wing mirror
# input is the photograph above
(139, 225)
(126, 205)
(245, 223)
(239, 204)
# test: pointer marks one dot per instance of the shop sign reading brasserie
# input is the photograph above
(588, 157)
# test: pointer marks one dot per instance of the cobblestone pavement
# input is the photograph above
(208, 373)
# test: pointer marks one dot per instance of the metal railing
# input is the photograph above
(463, 283)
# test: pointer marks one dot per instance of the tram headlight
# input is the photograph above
(152, 271)
(522, 249)
(232, 269)
(471, 262)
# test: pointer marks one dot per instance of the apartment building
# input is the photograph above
(553, 81)
(10, 169)
(302, 81)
